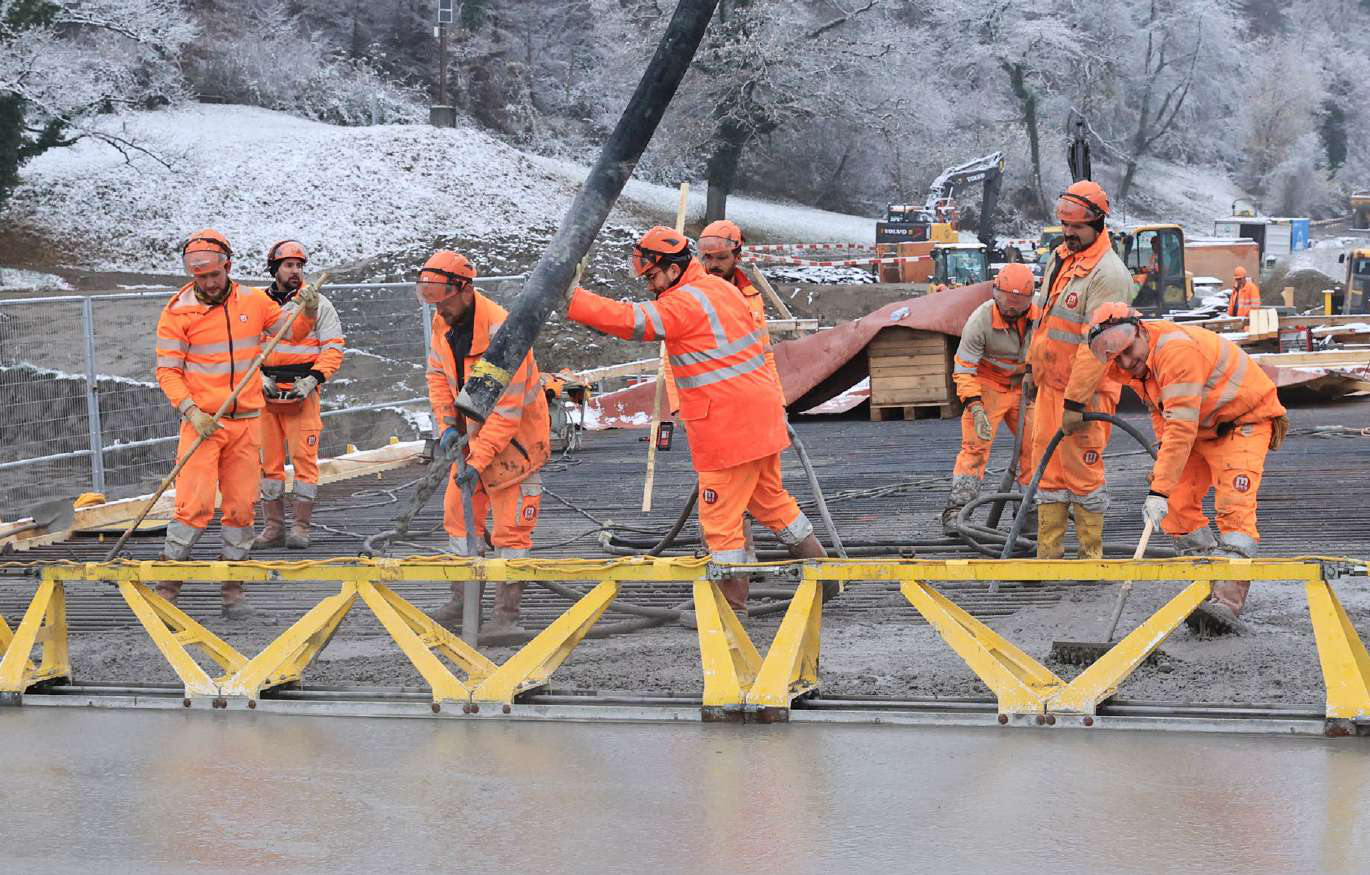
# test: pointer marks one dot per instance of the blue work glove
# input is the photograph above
(466, 478)
(449, 439)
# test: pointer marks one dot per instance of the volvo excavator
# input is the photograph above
(936, 220)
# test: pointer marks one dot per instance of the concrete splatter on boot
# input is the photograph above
(1089, 531)
(273, 533)
(1218, 615)
(298, 539)
(449, 616)
(505, 619)
(237, 609)
(964, 490)
(810, 548)
(1051, 529)
(169, 589)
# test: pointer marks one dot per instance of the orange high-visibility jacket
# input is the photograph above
(730, 403)
(1076, 284)
(1198, 387)
(752, 295)
(1244, 300)
(990, 355)
(514, 441)
(319, 352)
(203, 351)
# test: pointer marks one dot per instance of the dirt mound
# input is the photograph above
(1308, 287)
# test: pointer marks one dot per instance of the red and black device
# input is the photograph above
(664, 430)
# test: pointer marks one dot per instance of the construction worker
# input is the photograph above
(988, 372)
(1216, 415)
(730, 404)
(505, 455)
(1245, 297)
(207, 336)
(1082, 273)
(291, 377)
(720, 251)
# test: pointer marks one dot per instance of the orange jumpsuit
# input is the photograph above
(295, 423)
(730, 403)
(1066, 372)
(203, 352)
(1211, 407)
(1244, 300)
(509, 448)
(989, 369)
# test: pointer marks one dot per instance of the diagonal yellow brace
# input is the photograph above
(1021, 683)
(534, 663)
(790, 668)
(729, 659)
(1345, 662)
(285, 659)
(405, 622)
(171, 629)
(1101, 680)
(45, 622)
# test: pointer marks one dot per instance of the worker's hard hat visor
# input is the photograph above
(202, 261)
(1075, 210)
(714, 245)
(1012, 303)
(643, 260)
(1109, 343)
(435, 291)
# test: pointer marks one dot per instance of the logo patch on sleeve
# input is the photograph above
(312, 439)
(709, 496)
(530, 512)
(1091, 457)
(1241, 483)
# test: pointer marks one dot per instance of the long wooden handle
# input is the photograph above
(760, 279)
(1127, 584)
(660, 395)
(223, 408)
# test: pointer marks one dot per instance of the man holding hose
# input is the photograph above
(207, 337)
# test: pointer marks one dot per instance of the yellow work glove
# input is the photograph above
(981, 419)
(202, 422)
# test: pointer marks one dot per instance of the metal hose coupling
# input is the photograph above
(424, 488)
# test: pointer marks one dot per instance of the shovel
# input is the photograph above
(1087, 652)
(54, 515)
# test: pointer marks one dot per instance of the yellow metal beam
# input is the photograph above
(1021, 684)
(1101, 680)
(418, 636)
(790, 668)
(534, 663)
(284, 660)
(1345, 663)
(728, 658)
(171, 629)
(45, 623)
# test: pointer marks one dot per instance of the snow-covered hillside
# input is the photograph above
(350, 193)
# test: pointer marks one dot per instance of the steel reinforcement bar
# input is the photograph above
(740, 683)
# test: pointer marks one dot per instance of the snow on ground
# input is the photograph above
(349, 193)
(12, 279)
(1323, 255)
(1189, 196)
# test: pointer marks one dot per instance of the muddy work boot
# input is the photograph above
(1051, 530)
(237, 609)
(298, 538)
(810, 548)
(1089, 531)
(964, 490)
(1218, 615)
(169, 589)
(449, 616)
(505, 619)
(273, 533)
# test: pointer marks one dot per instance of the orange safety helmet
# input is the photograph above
(657, 245)
(444, 275)
(721, 236)
(1015, 279)
(1083, 203)
(1239, 273)
(205, 251)
(283, 249)
(1112, 329)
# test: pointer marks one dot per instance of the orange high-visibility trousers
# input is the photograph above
(227, 463)
(1076, 470)
(1000, 406)
(291, 429)
(753, 487)
(1231, 466)
(514, 508)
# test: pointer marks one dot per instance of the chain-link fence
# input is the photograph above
(83, 411)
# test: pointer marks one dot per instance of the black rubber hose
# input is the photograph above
(1006, 484)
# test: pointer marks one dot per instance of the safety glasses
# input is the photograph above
(203, 262)
(436, 291)
(1109, 340)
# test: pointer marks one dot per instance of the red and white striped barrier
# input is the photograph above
(849, 262)
(797, 247)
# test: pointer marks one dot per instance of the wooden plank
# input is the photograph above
(932, 345)
(906, 368)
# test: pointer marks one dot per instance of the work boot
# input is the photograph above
(964, 490)
(298, 539)
(273, 533)
(236, 607)
(810, 548)
(1051, 529)
(169, 589)
(1089, 531)
(506, 617)
(449, 616)
(735, 590)
(949, 515)
(1218, 615)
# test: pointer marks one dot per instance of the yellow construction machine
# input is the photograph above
(1360, 211)
(958, 264)
(1356, 297)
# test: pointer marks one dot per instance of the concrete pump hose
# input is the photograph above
(817, 491)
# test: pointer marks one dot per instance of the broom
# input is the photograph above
(1087, 652)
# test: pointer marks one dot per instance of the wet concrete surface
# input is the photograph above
(156, 792)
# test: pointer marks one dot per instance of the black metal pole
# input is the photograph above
(550, 278)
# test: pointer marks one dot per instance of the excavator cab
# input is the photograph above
(1357, 295)
(958, 264)
(1154, 255)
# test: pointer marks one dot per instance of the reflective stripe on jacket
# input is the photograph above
(730, 403)
(514, 441)
(1076, 284)
(1197, 387)
(991, 351)
(204, 351)
(319, 352)
(752, 296)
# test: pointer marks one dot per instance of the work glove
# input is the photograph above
(1029, 387)
(1073, 421)
(303, 387)
(466, 478)
(202, 422)
(269, 388)
(981, 419)
(1279, 427)
(448, 440)
(1155, 508)
(309, 299)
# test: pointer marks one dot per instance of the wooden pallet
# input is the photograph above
(910, 412)
(910, 371)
